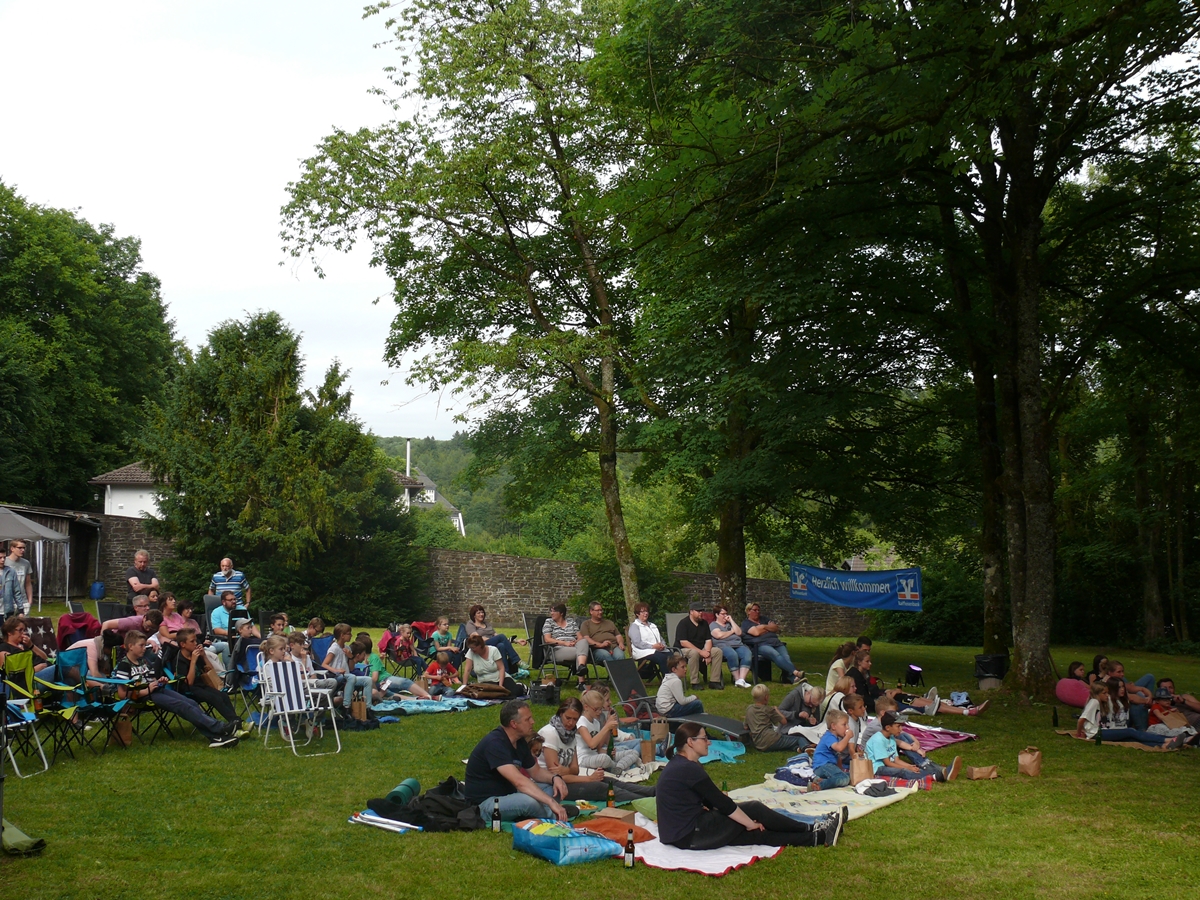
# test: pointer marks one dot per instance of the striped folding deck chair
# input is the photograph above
(289, 703)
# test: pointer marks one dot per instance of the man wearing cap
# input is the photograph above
(694, 641)
(230, 579)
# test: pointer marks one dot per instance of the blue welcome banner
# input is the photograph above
(887, 589)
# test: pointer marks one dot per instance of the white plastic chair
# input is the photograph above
(286, 694)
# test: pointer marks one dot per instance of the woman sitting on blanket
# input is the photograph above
(487, 663)
(842, 658)
(477, 624)
(595, 728)
(1097, 717)
(560, 755)
(694, 815)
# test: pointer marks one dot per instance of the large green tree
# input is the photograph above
(980, 112)
(286, 482)
(84, 341)
(490, 207)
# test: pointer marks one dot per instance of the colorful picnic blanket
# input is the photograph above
(416, 707)
(934, 738)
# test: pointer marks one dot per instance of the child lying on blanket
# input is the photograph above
(909, 746)
(761, 720)
(831, 759)
(1096, 717)
(885, 756)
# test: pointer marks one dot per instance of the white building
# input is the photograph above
(421, 492)
(128, 491)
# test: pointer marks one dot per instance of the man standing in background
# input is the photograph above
(229, 579)
(24, 569)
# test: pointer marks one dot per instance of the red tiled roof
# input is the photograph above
(134, 473)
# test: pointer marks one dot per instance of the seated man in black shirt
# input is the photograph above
(146, 671)
(694, 641)
(189, 666)
(501, 768)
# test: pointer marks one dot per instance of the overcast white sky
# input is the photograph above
(181, 123)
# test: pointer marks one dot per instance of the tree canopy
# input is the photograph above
(283, 481)
(84, 341)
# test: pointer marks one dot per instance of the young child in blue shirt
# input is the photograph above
(835, 745)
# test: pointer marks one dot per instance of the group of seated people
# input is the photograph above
(520, 773)
(700, 641)
(1118, 709)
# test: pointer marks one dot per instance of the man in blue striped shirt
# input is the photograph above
(229, 579)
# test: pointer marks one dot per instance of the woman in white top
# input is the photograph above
(1093, 722)
(841, 662)
(645, 642)
(560, 754)
(487, 663)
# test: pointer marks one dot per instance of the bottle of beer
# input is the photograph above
(37, 701)
(611, 797)
(1054, 718)
(1099, 740)
(496, 816)
(629, 857)
(724, 787)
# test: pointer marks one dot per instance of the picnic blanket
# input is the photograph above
(720, 861)
(416, 707)
(1133, 744)
(790, 799)
(934, 738)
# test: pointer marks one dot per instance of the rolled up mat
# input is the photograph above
(405, 791)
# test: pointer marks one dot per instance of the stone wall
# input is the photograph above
(511, 585)
(120, 538)
(507, 585)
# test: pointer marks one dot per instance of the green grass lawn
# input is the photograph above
(178, 819)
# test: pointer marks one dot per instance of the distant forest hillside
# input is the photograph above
(567, 522)
(445, 461)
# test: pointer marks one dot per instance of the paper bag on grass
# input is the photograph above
(1029, 762)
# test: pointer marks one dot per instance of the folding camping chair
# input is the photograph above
(286, 695)
(21, 684)
(637, 700)
(75, 607)
(93, 711)
(539, 656)
(106, 609)
(20, 731)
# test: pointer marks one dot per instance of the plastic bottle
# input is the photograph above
(630, 859)
(496, 815)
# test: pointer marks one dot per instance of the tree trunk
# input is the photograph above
(991, 546)
(1031, 620)
(739, 443)
(610, 490)
(1138, 421)
(731, 554)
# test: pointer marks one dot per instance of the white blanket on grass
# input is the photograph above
(658, 855)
